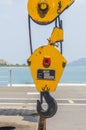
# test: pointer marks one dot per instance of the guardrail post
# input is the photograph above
(10, 81)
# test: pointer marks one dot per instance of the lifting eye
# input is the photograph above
(43, 6)
(46, 62)
(42, 9)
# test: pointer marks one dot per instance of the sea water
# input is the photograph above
(22, 75)
(15, 75)
(74, 74)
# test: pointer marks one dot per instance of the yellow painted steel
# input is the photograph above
(56, 36)
(58, 62)
(45, 11)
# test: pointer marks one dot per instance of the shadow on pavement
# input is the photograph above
(31, 118)
(7, 128)
(27, 114)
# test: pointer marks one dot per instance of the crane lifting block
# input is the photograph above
(47, 65)
(45, 11)
(56, 36)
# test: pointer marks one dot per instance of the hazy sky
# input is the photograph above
(14, 39)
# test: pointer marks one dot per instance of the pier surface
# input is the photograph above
(18, 107)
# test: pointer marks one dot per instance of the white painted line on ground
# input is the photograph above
(64, 99)
(19, 99)
(25, 104)
(23, 85)
(12, 103)
(60, 84)
(28, 98)
(78, 99)
(33, 93)
(59, 104)
(68, 104)
(14, 98)
(72, 84)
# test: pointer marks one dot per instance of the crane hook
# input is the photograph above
(52, 106)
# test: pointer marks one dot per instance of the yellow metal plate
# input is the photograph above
(50, 8)
(56, 36)
(46, 78)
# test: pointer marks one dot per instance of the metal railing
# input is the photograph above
(16, 75)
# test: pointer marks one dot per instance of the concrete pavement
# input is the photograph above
(68, 117)
(21, 101)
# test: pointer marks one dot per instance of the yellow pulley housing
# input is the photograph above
(56, 36)
(45, 11)
(46, 65)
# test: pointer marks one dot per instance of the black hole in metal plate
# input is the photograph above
(63, 64)
(47, 61)
(7, 128)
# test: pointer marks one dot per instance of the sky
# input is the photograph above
(14, 38)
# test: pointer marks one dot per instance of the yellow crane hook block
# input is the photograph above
(47, 65)
(45, 11)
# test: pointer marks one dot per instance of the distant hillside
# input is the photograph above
(80, 62)
(4, 63)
